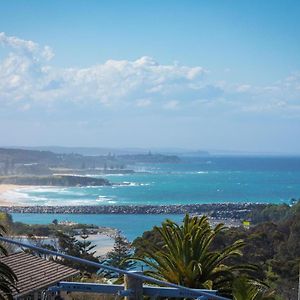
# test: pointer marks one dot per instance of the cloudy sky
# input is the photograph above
(190, 74)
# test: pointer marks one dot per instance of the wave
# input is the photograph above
(103, 199)
(21, 197)
(14, 195)
(128, 183)
(46, 191)
(77, 175)
(188, 172)
(78, 202)
(38, 189)
(55, 196)
(112, 175)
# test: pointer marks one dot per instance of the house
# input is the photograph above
(36, 274)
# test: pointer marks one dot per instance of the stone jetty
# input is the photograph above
(218, 210)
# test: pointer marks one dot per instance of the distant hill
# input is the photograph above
(42, 162)
(103, 151)
(27, 156)
(150, 158)
(88, 151)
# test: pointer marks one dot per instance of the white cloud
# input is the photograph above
(172, 105)
(26, 75)
(47, 53)
(28, 79)
(26, 47)
(17, 43)
(143, 102)
(243, 88)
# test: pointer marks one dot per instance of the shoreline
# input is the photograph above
(104, 243)
(221, 210)
(7, 188)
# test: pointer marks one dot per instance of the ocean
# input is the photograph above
(193, 180)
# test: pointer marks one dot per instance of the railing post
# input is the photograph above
(135, 286)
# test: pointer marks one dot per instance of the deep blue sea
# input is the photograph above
(201, 180)
(193, 180)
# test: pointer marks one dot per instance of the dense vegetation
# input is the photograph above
(118, 257)
(186, 256)
(196, 255)
(8, 279)
(273, 244)
(39, 230)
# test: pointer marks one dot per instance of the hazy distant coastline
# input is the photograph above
(18, 162)
(55, 180)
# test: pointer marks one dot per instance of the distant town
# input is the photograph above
(22, 162)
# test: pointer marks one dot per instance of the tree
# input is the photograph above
(85, 246)
(118, 257)
(8, 278)
(67, 243)
(71, 246)
(244, 289)
(85, 249)
(186, 258)
(7, 222)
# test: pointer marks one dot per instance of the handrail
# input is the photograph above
(120, 271)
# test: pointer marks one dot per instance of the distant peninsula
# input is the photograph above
(21, 162)
(55, 180)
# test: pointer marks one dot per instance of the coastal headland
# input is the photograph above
(54, 180)
(16, 182)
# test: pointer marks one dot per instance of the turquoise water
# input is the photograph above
(130, 225)
(202, 180)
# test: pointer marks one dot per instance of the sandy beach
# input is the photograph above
(5, 189)
(102, 242)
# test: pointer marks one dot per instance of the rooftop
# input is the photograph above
(35, 273)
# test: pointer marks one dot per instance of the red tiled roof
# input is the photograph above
(35, 273)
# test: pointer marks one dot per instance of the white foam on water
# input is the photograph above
(53, 196)
(71, 193)
(103, 199)
(187, 172)
(127, 183)
(117, 175)
(21, 196)
(15, 196)
(77, 175)
(63, 202)
(39, 189)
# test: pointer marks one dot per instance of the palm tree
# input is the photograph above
(245, 289)
(186, 257)
(8, 278)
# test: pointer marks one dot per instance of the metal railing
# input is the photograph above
(181, 291)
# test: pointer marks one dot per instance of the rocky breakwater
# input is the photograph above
(54, 180)
(218, 210)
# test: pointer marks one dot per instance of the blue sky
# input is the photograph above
(193, 74)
